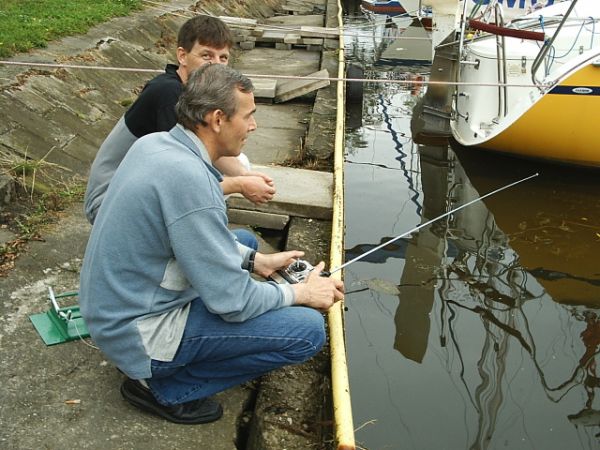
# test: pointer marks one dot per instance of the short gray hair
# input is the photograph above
(210, 87)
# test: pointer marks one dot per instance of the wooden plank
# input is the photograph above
(238, 21)
(319, 32)
(306, 3)
(258, 31)
(312, 41)
(315, 20)
(264, 87)
(272, 36)
(292, 38)
(247, 45)
(295, 88)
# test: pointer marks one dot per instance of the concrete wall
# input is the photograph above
(68, 112)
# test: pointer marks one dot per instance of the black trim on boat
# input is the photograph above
(576, 90)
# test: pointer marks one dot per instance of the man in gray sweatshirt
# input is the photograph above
(166, 290)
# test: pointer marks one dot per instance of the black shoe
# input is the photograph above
(197, 411)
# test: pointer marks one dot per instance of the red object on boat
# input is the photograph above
(427, 22)
(391, 8)
(503, 31)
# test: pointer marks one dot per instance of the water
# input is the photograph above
(481, 331)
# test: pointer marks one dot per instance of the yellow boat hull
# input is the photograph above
(562, 126)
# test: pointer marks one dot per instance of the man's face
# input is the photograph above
(235, 129)
(198, 56)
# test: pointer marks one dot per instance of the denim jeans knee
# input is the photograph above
(246, 238)
(215, 355)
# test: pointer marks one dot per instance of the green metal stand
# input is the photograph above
(60, 325)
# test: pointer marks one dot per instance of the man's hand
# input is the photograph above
(266, 264)
(264, 176)
(257, 187)
(319, 292)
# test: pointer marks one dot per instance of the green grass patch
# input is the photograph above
(27, 24)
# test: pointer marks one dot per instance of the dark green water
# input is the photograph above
(481, 331)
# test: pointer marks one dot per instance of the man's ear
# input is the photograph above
(215, 119)
(220, 117)
(181, 53)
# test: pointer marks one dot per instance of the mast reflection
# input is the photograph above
(485, 277)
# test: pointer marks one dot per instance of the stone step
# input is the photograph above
(300, 193)
(257, 218)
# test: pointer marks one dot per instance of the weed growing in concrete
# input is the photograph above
(26, 171)
(42, 193)
(302, 160)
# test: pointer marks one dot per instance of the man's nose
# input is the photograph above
(252, 125)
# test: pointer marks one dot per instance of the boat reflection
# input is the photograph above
(557, 230)
(498, 273)
(482, 330)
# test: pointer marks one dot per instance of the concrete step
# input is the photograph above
(300, 193)
(281, 129)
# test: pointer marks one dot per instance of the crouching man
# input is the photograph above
(166, 290)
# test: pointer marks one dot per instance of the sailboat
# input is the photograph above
(389, 7)
(402, 12)
(529, 87)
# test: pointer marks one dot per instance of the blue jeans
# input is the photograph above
(215, 355)
(246, 238)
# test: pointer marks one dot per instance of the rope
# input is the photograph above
(75, 66)
(282, 77)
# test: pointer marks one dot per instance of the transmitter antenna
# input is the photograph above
(429, 222)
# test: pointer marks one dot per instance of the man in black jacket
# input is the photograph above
(201, 40)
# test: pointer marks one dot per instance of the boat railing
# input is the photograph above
(501, 31)
(498, 27)
(495, 29)
(501, 63)
(459, 56)
(463, 27)
(548, 44)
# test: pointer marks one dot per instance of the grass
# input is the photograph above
(25, 170)
(28, 24)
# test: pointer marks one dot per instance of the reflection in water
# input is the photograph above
(481, 331)
(418, 278)
(482, 281)
(396, 249)
(558, 229)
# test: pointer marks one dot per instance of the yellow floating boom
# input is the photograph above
(342, 406)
